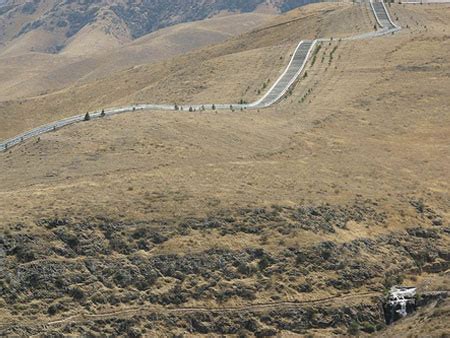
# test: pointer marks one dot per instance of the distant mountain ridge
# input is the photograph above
(125, 19)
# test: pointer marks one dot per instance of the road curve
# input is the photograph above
(292, 72)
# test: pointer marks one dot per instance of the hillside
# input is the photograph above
(49, 26)
(86, 57)
(291, 220)
(265, 48)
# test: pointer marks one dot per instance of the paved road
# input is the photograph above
(274, 94)
(382, 15)
(286, 80)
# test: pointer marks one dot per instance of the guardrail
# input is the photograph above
(382, 22)
(304, 47)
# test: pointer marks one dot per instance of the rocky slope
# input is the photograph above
(64, 268)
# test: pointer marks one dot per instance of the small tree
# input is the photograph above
(103, 113)
(176, 107)
(191, 109)
(213, 107)
(87, 117)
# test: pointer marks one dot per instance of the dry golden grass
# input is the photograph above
(96, 52)
(372, 125)
(226, 72)
(371, 122)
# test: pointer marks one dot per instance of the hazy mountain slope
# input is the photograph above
(83, 39)
(89, 56)
(122, 20)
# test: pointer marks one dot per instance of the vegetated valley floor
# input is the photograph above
(149, 219)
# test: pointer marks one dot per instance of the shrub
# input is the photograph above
(54, 309)
(76, 293)
(368, 327)
(353, 329)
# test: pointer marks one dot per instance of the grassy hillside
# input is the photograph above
(116, 21)
(242, 223)
(239, 68)
(89, 57)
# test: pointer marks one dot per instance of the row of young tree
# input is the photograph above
(203, 108)
(191, 109)
(87, 116)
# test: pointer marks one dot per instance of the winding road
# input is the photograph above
(292, 72)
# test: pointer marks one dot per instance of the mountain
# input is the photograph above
(92, 55)
(47, 44)
(48, 26)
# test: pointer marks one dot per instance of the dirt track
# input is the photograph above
(143, 310)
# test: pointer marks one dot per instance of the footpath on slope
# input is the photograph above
(261, 307)
(292, 72)
(145, 310)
